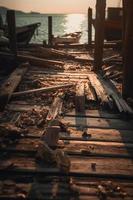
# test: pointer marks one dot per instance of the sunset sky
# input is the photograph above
(53, 6)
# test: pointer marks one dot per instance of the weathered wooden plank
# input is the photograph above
(94, 114)
(39, 61)
(78, 153)
(108, 135)
(86, 171)
(56, 107)
(23, 107)
(80, 98)
(88, 147)
(36, 70)
(101, 93)
(123, 107)
(90, 92)
(46, 89)
(9, 86)
(98, 123)
(109, 165)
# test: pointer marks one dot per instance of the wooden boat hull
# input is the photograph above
(24, 33)
(67, 38)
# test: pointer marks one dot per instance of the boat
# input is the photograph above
(113, 24)
(67, 38)
(24, 33)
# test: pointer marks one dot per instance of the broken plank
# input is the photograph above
(90, 92)
(50, 52)
(9, 86)
(101, 93)
(23, 107)
(56, 107)
(43, 89)
(121, 104)
(38, 61)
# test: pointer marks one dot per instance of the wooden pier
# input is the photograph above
(65, 129)
(81, 120)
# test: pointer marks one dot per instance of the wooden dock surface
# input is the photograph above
(97, 137)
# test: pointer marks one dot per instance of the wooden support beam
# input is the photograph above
(12, 31)
(89, 26)
(128, 49)
(50, 32)
(11, 84)
(99, 34)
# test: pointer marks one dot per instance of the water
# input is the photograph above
(62, 23)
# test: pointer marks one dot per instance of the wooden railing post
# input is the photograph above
(89, 26)
(99, 34)
(12, 31)
(50, 31)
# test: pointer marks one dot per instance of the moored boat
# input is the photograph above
(24, 33)
(67, 38)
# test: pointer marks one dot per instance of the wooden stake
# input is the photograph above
(89, 26)
(50, 34)
(128, 49)
(99, 34)
(12, 31)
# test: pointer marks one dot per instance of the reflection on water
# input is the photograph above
(61, 24)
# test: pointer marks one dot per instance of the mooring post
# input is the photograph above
(12, 31)
(99, 34)
(89, 26)
(127, 88)
(50, 32)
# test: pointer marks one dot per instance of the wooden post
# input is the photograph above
(89, 26)
(99, 34)
(12, 31)
(50, 34)
(128, 49)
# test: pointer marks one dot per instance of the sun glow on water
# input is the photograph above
(74, 22)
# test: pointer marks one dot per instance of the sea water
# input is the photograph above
(62, 23)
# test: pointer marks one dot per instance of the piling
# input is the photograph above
(99, 34)
(89, 26)
(128, 49)
(50, 31)
(12, 31)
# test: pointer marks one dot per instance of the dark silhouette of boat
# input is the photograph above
(24, 33)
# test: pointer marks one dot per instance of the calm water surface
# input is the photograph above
(61, 24)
